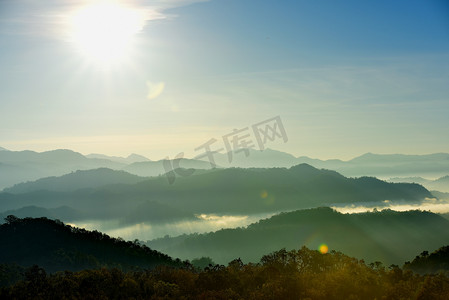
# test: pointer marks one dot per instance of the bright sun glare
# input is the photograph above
(104, 31)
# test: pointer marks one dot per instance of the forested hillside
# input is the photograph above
(58, 247)
(296, 274)
(387, 236)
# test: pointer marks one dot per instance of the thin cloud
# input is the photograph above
(51, 18)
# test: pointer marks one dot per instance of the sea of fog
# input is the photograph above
(207, 223)
(148, 231)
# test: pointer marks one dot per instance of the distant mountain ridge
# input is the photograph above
(132, 158)
(251, 158)
(379, 158)
(368, 164)
(155, 168)
(441, 184)
(20, 166)
(387, 165)
(77, 180)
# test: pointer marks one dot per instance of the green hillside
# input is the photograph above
(387, 236)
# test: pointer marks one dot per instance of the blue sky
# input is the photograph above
(346, 77)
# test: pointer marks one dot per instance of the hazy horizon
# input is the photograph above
(171, 154)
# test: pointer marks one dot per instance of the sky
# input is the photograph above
(162, 77)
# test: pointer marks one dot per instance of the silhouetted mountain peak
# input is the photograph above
(304, 167)
(306, 170)
(275, 152)
(63, 154)
(365, 157)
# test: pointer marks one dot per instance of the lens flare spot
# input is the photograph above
(323, 248)
(264, 194)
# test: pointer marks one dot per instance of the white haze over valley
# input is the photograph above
(433, 205)
(207, 223)
(146, 231)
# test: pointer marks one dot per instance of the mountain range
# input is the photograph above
(110, 194)
(20, 166)
(77, 180)
(132, 158)
(369, 164)
(441, 184)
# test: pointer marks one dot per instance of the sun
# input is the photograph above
(104, 31)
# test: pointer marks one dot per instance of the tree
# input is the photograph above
(202, 263)
(11, 219)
